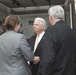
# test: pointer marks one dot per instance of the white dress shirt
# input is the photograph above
(38, 39)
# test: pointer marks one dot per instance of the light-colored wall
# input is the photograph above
(2, 15)
(75, 13)
(4, 11)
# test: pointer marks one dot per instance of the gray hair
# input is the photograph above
(42, 21)
(56, 12)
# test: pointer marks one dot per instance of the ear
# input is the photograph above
(43, 27)
(17, 24)
(15, 27)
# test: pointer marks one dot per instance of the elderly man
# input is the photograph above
(59, 45)
(36, 42)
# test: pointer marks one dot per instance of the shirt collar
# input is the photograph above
(41, 34)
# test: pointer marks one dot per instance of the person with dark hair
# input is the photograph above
(59, 46)
(15, 51)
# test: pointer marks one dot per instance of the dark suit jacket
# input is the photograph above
(58, 53)
(34, 67)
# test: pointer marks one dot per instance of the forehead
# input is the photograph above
(36, 22)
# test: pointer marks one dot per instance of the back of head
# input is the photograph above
(11, 21)
(56, 12)
(41, 20)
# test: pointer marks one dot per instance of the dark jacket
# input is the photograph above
(34, 67)
(58, 53)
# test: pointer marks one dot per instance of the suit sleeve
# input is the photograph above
(48, 52)
(25, 49)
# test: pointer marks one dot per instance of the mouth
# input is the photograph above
(34, 28)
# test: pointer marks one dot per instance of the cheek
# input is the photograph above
(49, 20)
(18, 27)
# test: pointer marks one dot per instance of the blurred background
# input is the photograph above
(28, 10)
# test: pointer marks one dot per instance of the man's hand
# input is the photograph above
(36, 59)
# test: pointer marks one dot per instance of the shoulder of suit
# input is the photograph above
(17, 35)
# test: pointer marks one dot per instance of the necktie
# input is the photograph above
(36, 42)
